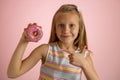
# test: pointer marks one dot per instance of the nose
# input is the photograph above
(66, 29)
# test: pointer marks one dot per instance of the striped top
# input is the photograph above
(57, 66)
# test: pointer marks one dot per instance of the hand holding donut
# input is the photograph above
(33, 32)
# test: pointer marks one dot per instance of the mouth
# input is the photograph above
(65, 36)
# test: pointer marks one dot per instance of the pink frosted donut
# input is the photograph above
(34, 33)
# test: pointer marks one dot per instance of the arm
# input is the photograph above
(89, 69)
(85, 63)
(18, 66)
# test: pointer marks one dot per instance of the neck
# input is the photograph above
(66, 46)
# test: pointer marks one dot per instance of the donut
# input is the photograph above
(33, 33)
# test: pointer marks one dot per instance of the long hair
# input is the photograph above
(81, 39)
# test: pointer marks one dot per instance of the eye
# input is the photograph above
(72, 25)
(61, 25)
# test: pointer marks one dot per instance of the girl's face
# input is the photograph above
(67, 26)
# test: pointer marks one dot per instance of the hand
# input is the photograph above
(33, 33)
(23, 38)
(78, 59)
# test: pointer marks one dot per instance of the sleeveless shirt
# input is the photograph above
(57, 66)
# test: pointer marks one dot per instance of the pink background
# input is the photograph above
(102, 19)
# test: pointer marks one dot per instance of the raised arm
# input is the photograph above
(18, 66)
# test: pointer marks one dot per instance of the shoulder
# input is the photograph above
(40, 51)
(43, 48)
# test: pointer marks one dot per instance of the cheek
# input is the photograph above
(58, 31)
(76, 32)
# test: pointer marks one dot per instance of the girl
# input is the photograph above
(64, 57)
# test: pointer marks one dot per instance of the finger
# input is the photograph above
(30, 24)
(71, 61)
(34, 23)
(70, 56)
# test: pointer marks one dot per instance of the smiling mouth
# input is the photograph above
(65, 36)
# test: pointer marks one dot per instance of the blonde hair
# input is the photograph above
(81, 40)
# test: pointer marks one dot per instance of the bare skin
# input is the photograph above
(67, 32)
(18, 66)
(67, 26)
